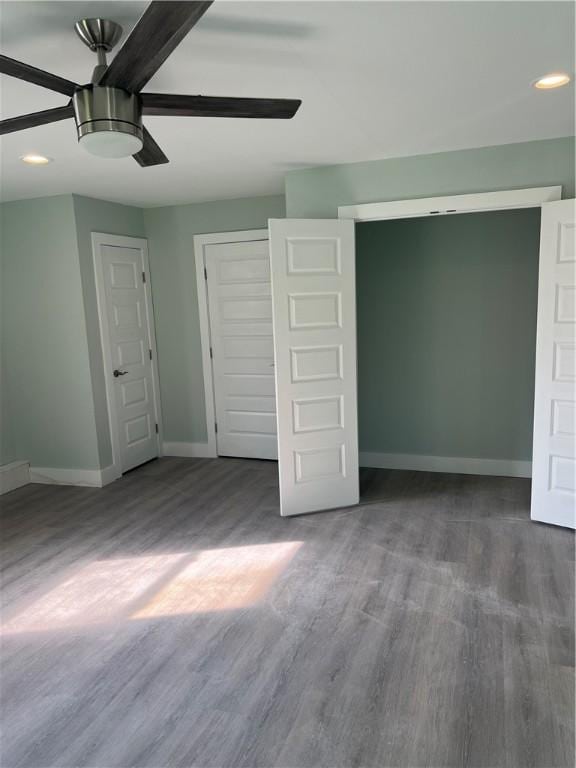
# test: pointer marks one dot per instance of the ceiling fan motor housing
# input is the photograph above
(103, 110)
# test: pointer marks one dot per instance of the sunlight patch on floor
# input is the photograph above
(222, 580)
(99, 592)
(158, 585)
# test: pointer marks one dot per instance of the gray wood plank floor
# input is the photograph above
(174, 619)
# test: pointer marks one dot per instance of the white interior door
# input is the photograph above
(240, 312)
(314, 310)
(554, 454)
(125, 312)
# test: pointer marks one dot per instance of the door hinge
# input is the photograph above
(143, 277)
(211, 354)
(156, 428)
(150, 353)
(216, 427)
(205, 274)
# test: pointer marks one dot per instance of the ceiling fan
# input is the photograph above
(108, 111)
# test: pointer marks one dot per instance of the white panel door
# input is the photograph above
(240, 311)
(554, 451)
(314, 308)
(129, 365)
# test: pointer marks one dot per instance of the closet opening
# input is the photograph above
(446, 341)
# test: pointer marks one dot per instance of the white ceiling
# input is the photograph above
(377, 79)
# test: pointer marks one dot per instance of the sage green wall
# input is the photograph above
(170, 234)
(51, 412)
(46, 371)
(93, 215)
(447, 330)
(7, 448)
(447, 334)
(53, 407)
(317, 192)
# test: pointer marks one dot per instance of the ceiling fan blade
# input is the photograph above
(150, 154)
(159, 30)
(217, 106)
(36, 118)
(37, 76)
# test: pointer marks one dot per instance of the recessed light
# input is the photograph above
(33, 159)
(553, 80)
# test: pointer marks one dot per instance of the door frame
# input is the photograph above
(533, 197)
(124, 241)
(200, 243)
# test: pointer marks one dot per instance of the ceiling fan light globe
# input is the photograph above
(108, 121)
(111, 144)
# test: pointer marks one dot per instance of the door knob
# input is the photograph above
(119, 373)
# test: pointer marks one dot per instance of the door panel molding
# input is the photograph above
(314, 309)
(100, 239)
(200, 243)
(240, 312)
(554, 456)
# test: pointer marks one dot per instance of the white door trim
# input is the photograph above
(435, 206)
(122, 241)
(200, 243)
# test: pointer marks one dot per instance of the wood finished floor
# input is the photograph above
(431, 626)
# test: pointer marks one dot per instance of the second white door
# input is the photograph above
(242, 348)
(127, 329)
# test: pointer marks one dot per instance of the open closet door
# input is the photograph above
(554, 451)
(314, 314)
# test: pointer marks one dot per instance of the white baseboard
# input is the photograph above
(92, 478)
(454, 464)
(189, 450)
(14, 475)
(109, 474)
